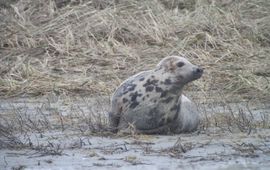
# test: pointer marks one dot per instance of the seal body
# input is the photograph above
(152, 101)
(188, 118)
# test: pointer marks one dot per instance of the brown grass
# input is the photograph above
(89, 47)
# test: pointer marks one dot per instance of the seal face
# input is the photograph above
(150, 101)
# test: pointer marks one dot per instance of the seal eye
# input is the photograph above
(180, 64)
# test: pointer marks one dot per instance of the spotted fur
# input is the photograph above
(152, 101)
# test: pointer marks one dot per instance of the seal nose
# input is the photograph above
(199, 70)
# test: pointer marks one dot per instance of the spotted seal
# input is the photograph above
(152, 102)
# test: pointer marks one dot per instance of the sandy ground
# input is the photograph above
(69, 148)
(192, 151)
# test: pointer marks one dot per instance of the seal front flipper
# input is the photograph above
(114, 120)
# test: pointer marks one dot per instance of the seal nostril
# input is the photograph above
(199, 70)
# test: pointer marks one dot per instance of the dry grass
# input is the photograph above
(89, 47)
(21, 124)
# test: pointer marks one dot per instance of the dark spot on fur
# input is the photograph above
(132, 87)
(134, 104)
(162, 121)
(153, 76)
(168, 100)
(175, 108)
(143, 98)
(168, 81)
(125, 100)
(134, 96)
(163, 94)
(141, 79)
(129, 87)
(158, 89)
(147, 95)
(134, 101)
(149, 88)
(155, 101)
(150, 82)
(169, 120)
(154, 81)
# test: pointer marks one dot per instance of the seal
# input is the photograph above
(152, 102)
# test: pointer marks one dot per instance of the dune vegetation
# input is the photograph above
(91, 46)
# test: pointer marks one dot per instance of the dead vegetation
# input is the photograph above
(244, 117)
(22, 125)
(89, 46)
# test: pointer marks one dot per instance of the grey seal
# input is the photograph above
(151, 102)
